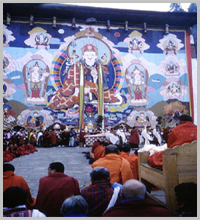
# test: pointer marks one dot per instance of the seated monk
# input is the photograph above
(14, 149)
(99, 151)
(10, 150)
(6, 155)
(11, 179)
(31, 148)
(132, 159)
(21, 150)
(26, 150)
(184, 132)
(95, 145)
(119, 167)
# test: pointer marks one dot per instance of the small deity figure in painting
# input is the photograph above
(41, 40)
(172, 68)
(134, 45)
(170, 47)
(137, 80)
(36, 77)
(173, 90)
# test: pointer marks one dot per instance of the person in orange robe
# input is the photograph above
(184, 132)
(99, 151)
(94, 146)
(132, 159)
(11, 179)
(119, 167)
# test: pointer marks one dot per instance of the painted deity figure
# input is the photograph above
(173, 90)
(170, 47)
(138, 83)
(34, 120)
(135, 44)
(90, 66)
(91, 71)
(36, 77)
(172, 68)
(41, 40)
(142, 120)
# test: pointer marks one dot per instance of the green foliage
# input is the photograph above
(176, 7)
(193, 7)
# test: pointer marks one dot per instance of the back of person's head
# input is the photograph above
(74, 204)
(99, 173)
(185, 118)
(57, 166)
(14, 196)
(186, 193)
(8, 167)
(133, 189)
(125, 148)
(111, 148)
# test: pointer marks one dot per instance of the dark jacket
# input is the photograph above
(137, 208)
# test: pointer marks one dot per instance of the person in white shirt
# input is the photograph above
(120, 132)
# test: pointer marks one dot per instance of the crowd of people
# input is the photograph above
(18, 143)
(114, 191)
(21, 141)
(59, 195)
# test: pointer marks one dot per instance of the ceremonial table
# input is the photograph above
(90, 139)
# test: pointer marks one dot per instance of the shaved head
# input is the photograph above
(132, 189)
(111, 148)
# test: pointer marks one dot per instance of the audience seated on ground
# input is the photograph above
(119, 168)
(132, 159)
(54, 189)
(7, 156)
(31, 148)
(94, 145)
(74, 206)
(135, 204)
(14, 204)
(186, 194)
(99, 192)
(99, 151)
(11, 179)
